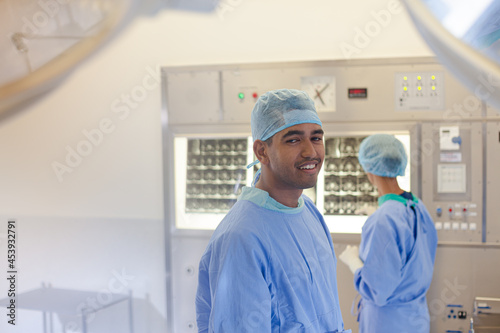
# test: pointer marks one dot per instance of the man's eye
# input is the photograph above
(292, 140)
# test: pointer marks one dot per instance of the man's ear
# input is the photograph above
(260, 149)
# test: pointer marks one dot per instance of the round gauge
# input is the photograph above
(46, 39)
(322, 90)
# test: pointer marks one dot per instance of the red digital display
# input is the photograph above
(357, 92)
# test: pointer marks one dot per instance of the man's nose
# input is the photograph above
(309, 149)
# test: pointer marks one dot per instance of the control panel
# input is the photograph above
(456, 217)
(419, 91)
(452, 171)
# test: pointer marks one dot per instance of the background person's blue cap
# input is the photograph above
(279, 109)
(383, 155)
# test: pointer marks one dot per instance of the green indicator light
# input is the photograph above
(405, 88)
(419, 78)
(419, 88)
(241, 95)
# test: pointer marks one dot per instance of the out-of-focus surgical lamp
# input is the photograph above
(193, 5)
(465, 36)
(45, 40)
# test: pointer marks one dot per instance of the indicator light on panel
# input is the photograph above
(433, 87)
(433, 77)
(405, 88)
(405, 78)
(419, 78)
(419, 88)
(439, 211)
(255, 95)
(241, 95)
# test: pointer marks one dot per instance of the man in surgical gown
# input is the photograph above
(270, 264)
(393, 270)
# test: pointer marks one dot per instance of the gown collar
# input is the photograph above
(262, 199)
(395, 197)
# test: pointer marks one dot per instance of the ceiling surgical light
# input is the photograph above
(465, 36)
(45, 40)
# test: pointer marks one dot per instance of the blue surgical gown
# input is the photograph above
(269, 268)
(398, 247)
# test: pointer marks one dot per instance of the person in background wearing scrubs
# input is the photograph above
(270, 264)
(393, 267)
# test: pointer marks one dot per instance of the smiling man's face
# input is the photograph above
(296, 156)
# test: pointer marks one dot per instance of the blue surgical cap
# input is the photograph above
(383, 155)
(280, 109)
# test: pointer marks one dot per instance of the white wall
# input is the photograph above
(120, 179)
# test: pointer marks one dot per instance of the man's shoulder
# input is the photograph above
(242, 210)
(243, 215)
